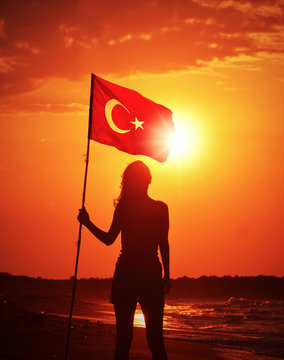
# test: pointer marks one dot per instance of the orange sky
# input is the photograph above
(218, 65)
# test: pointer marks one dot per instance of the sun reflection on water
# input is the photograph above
(139, 318)
(184, 310)
(171, 312)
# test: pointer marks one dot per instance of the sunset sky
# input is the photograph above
(218, 65)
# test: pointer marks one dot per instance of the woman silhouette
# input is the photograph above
(144, 224)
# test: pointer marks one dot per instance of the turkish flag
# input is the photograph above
(125, 119)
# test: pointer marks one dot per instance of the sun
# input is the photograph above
(185, 140)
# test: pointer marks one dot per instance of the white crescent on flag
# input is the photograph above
(108, 112)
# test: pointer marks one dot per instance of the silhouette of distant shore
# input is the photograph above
(250, 287)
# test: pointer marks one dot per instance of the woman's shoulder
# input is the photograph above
(119, 206)
(149, 205)
(160, 205)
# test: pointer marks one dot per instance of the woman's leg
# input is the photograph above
(153, 310)
(124, 314)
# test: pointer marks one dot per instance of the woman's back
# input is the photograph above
(142, 224)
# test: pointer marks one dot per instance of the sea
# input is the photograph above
(252, 329)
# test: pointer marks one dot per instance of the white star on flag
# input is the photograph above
(137, 123)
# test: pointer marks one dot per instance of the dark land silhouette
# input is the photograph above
(250, 287)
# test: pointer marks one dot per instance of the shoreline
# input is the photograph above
(30, 331)
(33, 336)
(177, 347)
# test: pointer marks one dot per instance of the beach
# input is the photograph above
(26, 335)
(33, 325)
(31, 338)
(36, 336)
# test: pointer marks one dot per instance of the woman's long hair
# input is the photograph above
(135, 179)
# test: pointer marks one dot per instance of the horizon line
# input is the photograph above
(110, 278)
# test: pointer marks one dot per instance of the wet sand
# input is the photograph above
(33, 336)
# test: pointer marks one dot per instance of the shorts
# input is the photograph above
(131, 285)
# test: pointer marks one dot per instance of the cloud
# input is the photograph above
(60, 108)
(263, 8)
(7, 64)
(26, 46)
(69, 39)
(269, 40)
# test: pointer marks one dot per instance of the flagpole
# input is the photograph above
(80, 225)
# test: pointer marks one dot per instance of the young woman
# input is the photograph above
(144, 224)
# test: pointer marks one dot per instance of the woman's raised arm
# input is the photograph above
(108, 237)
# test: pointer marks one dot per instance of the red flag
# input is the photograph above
(125, 119)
